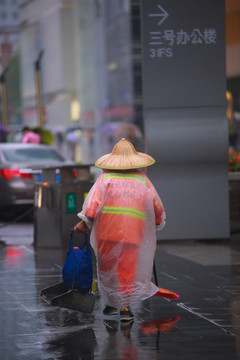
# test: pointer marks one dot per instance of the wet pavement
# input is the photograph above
(203, 324)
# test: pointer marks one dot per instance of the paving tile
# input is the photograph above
(204, 324)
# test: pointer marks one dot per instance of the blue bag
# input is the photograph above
(77, 270)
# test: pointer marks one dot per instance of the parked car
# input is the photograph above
(20, 168)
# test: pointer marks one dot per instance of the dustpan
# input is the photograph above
(70, 294)
(60, 295)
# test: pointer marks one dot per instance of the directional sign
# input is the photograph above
(163, 15)
(183, 49)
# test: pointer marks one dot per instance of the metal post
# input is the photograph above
(39, 88)
(4, 98)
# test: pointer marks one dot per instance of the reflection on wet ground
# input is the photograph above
(203, 324)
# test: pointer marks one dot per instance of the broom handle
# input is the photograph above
(154, 265)
(155, 273)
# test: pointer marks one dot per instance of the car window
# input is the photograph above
(32, 155)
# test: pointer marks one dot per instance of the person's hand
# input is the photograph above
(80, 227)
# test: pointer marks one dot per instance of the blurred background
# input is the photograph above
(82, 60)
(74, 68)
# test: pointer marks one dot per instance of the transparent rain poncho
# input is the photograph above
(124, 210)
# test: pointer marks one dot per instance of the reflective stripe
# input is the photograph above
(123, 211)
(125, 176)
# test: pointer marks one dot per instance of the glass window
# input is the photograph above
(32, 155)
(15, 15)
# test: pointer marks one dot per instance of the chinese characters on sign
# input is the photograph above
(162, 43)
(183, 51)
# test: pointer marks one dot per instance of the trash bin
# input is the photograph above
(58, 197)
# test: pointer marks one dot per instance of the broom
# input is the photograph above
(163, 292)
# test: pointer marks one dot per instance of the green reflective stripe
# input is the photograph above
(125, 176)
(123, 211)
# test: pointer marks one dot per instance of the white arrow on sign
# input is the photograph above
(163, 14)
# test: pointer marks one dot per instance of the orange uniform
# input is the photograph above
(123, 210)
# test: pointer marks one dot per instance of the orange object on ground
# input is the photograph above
(168, 294)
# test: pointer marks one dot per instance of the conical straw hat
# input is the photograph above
(123, 157)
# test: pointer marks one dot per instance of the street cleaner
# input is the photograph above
(123, 211)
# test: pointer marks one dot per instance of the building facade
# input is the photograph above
(90, 69)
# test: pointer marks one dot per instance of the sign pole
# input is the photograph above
(4, 98)
(184, 105)
(37, 66)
